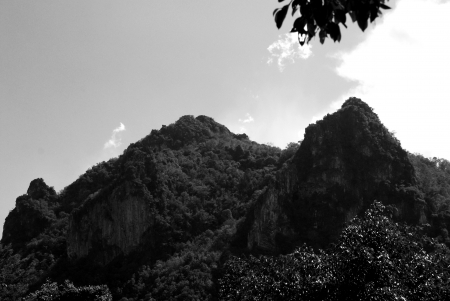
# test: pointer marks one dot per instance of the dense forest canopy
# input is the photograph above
(374, 259)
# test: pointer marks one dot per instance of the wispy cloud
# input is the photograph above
(116, 139)
(287, 50)
(247, 119)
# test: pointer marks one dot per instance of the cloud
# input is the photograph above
(287, 49)
(248, 119)
(402, 68)
(116, 140)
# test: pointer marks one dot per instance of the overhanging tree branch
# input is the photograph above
(324, 16)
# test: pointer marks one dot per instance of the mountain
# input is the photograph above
(160, 220)
(346, 161)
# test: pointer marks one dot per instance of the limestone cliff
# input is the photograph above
(345, 162)
(108, 225)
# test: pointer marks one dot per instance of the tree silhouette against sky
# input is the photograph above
(324, 16)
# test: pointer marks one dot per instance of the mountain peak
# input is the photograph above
(354, 142)
(345, 162)
(356, 102)
(186, 130)
(38, 189)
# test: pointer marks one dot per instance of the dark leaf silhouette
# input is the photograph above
(323, 13)
(334, 31)
(280, 15)
(362, 20)
(340, 17)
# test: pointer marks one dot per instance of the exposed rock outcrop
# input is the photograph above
(108, 225)
(345, 162)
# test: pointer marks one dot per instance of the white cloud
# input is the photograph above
(403, 70)
(116, 139)
(248, 119)
(287, 49)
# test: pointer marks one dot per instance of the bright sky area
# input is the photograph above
(81, 80)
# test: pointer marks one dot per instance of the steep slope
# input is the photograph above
(160, 220)
(433, 175)
(181, 188)
(345, 162)
(174, 184)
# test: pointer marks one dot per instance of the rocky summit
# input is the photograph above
(163, 218)
(345, 162)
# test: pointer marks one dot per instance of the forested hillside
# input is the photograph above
(177, 214)
(198, 181)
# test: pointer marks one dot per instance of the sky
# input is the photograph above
(81, 80)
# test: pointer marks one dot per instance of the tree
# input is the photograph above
(51, 291)
(374, 259)
(324, 16)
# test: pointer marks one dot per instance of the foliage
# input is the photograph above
(14, 275)
(200, 183)
(374, 259)
(187, 275)
(198, 180)
(433, 177)
(51, 291)
(324, 16)
(288, 152)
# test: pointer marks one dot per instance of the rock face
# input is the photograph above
(108, 225)
(345, 162)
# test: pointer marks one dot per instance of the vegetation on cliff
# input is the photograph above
(201, 185)
(199, 181)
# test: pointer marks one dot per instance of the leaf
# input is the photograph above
(322, 36)
(384, 6)
(305, 10)
(295, 7)
(334, 31)
(276, 9)
(280, 15)
(361, 18)
(311, 27)
(340, 17)
(321, 15)
(373, 14)
(299, 24)
(353, 16)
